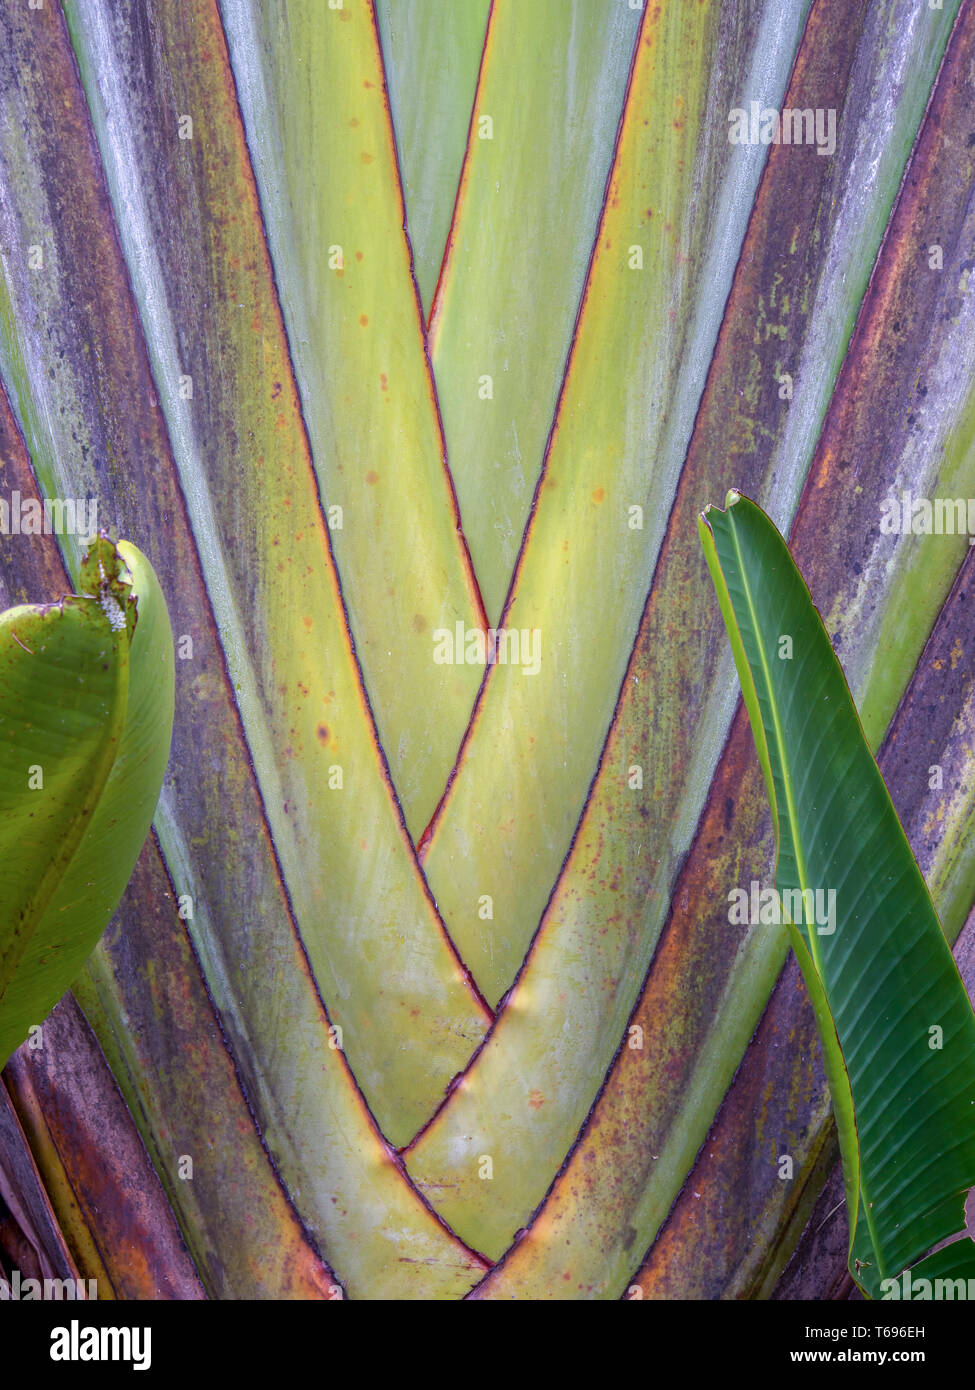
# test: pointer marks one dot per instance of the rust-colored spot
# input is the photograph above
(536, 1100)
(599, 494)
(321, 733)
(363, 319)
(383, 382)
(372, 477)
(358, 255)
(366, 158)
(309, 622)
(354, 122)
(367, 84)
(419, 623)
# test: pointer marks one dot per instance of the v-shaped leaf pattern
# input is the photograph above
(677, 205)
(618, 296)
(270, 889)
(527, 213)
(604, 917)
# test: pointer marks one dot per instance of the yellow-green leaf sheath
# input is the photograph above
(385, 971)
(432, 54)
(542, 142)
(90, 409)
(678, 202)
(530, 1087)
(310, 79)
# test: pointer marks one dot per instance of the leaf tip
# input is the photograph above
(106, 577)
(732, 498)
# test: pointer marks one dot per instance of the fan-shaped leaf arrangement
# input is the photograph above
(428, 975)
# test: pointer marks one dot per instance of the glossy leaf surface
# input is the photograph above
(86, 710)
(897, 1025)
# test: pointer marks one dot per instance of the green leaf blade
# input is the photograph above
(878, 953)
(86, 708)
(95, 879)
(63, 695)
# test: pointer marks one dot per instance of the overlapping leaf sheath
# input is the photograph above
(431, 56)
(901, 421)
(108, 1198)
(542, 144)
(246, 1240)
(273, 587)
(30, 1231)
(709, 981)
(243, 476)
(299, 907)
(313, 81)
(676, 209)
(615, 892)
